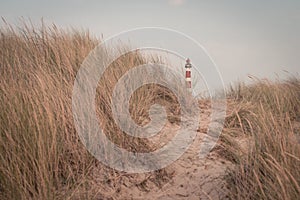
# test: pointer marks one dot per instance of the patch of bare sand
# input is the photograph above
(189, 177)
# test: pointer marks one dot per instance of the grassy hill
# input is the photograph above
(41, 156)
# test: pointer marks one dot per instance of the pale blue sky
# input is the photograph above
(258, 37)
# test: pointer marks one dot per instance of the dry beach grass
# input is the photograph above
(41, 156)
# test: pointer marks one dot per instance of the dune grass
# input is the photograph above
(268, 113)
(41, 156)
(40, 153)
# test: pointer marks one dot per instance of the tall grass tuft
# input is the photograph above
(41, 156)
(40, 152)
(269, 114)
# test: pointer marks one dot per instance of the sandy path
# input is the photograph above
(189, 177)
(192, 178)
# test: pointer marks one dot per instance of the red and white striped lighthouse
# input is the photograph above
(188, 77)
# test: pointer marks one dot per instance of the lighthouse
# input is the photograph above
(188, 77)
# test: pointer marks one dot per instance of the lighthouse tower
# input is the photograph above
(188, 77)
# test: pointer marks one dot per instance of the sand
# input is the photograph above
(189, 177)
